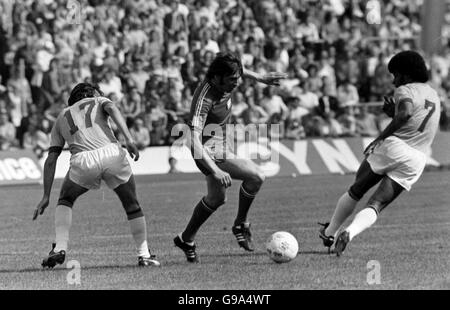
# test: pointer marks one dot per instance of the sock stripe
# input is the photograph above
(245, 193)
(353, 196)
(374, 209)
(205, 205)
(134, 212)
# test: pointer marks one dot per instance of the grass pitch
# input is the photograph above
(410, 239)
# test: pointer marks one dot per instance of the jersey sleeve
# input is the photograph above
(402, 93)
(56, 138)
(103, 101)
(199, 113)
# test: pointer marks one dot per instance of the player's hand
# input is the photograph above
(133, 150)
(369, 149)
(224, 178)
(389, 106)
(43, 204)
(273, 78)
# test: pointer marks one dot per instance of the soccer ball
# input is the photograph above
(282, 247)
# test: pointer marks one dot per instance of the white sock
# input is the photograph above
(63, 221)
(344, 208)
(363, 220)
(139, 231)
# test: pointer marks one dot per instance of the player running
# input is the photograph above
(95, 155)
(397, 158)
(210, 114)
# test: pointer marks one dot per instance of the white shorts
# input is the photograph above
(398, 161)
(108, 163)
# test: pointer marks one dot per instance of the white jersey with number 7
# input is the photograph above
(421, 128)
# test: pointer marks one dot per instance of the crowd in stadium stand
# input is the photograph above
(148, 56)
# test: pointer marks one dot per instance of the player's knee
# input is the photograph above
(377, 206)
(134, 212)
(65, 201)
(356, 192)
(256, 180)
(216, 202)
(260, 177)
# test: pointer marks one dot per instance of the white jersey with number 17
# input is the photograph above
(84, 126)
(421, 128)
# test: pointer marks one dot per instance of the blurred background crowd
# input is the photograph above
(148, 56)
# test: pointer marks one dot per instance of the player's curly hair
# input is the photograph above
(409, 63)
(83, 90)
(224, 64)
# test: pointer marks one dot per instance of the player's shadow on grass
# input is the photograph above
(63, 269)
(313, 252)
(245, 254)
(234, 254)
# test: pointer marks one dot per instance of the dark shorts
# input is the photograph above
(218, 156)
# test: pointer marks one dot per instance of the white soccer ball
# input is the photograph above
(282, 247)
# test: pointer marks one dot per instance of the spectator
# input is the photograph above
(315, 82)
(19, 81)
(294, 128)
(331, 127)
(131, 105)
(347, 94)
(273, 104)
(51, 80)
(254, 114)
(347, 121)
(366, 123)
(157, 123)
(111, 83)
(140, 134)
(276, 126)
(7, 132)
(308, 99)
(329, 39)
(308, 30)
(139, 76)
(15, 105)
(35, 138)
(327, 102)
(184, 104)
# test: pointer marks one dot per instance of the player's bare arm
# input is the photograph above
(117, 117)
(404, 113)
(389, 106)
(271, 78)
(49, 176)
(221, 176)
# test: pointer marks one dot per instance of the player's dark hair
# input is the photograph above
(409, 63)
(224, 64)
(83, 90)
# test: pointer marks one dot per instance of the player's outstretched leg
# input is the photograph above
(136, 219)
(253, 178)
(215, 198)
(387, 192)
(365, 180)
(70, 191)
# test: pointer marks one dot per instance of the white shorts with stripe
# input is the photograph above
(108, 163)
(400, 162)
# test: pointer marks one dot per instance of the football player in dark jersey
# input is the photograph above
(209, 116)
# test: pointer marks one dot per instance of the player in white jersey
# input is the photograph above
(397, 158)
(95, 155)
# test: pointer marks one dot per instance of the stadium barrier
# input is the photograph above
(284, 158)
(19, 167)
